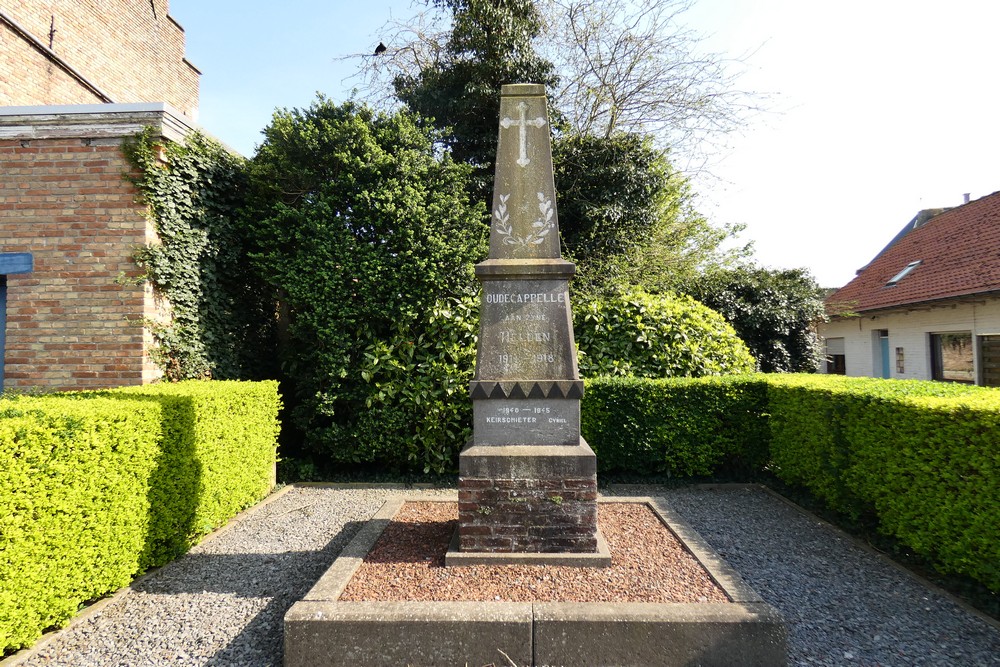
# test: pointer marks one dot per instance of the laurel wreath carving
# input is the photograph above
(540, 228)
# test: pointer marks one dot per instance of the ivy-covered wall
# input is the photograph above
(219, 321)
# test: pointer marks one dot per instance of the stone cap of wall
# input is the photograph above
(94, 121)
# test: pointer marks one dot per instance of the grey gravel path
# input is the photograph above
(222, 604)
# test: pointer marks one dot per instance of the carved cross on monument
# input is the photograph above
(527, 487)
(522, 124)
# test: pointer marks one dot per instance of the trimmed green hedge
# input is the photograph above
(98, 487)
(679, 427)
(921, 458)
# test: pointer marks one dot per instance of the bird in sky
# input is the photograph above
(380, 49)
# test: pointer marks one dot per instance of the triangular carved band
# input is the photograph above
(484, 389)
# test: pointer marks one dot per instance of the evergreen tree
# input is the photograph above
(490, 45)
(774, 312)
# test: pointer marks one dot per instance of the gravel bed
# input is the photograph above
(223, 603)
(648, 564)
(843, 605)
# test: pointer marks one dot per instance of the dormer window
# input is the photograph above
(902, 274)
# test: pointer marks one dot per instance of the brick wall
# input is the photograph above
(76, 321)
(72, 323)
(130, 50)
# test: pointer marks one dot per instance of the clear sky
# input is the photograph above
(879, 108)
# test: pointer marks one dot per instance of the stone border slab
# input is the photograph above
(320, 630)
(326, 633)
(639, 634)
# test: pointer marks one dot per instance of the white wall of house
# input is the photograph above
(908, 329)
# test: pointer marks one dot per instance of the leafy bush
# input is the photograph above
(362, 227)
(99, 487)
(679, 427)
(773, 311)
(638, 334)
(420, 389)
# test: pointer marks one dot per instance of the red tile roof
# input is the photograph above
(959, 253)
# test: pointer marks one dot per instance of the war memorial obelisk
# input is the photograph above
(527, 479)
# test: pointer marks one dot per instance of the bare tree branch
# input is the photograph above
(624, 66)
(631, 66)
(413, 44)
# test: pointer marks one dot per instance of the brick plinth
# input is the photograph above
(528, 515)
(527, 499)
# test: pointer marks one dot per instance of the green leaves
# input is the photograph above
(680, 427)
(218, 324)
(363, 228)
(919, 456)
(638, 334)
(774, 312)
(98, 487)
(422, 383)
(627, 217)
(490, 45)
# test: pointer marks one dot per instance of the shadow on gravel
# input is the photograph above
(281, 578)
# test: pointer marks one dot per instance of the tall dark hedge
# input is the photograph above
(774, 311)
(362, 226)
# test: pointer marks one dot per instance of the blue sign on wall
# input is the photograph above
(10, 262)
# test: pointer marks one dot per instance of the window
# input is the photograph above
(989, 360)
(951, 357)
(836, 361)
(900, 366)
(836, 364)
(902, 274)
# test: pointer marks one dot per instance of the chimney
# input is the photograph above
(966, 197)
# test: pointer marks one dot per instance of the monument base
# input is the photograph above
(517, 499)
(322, 631)
(599, 558)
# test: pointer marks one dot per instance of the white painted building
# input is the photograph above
(928, 306)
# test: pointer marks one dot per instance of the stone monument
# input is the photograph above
(527, 485)
(527, 479)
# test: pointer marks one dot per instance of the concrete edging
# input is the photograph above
(320, 630)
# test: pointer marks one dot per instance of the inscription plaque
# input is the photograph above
(528, 421)
(526, 331)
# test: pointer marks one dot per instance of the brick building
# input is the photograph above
(76, 79)
(94, 52)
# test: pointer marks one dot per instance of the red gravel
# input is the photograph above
(648, 564)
